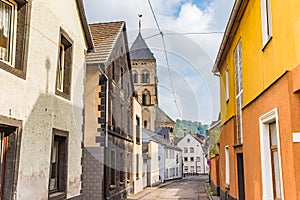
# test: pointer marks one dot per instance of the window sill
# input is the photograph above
(266, 44)
(57, 196)
(17, 72)
(62, 94)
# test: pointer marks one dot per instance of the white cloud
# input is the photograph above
(194, 53)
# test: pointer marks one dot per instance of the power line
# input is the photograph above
(187, 33)
(166, 57)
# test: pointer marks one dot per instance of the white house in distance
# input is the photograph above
(194, 161)
(169, 156)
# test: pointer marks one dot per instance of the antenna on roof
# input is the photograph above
(140, 16)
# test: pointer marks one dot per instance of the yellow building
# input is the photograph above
(259, 79)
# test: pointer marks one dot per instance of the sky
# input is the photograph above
(191, 56)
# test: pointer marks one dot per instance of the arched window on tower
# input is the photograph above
(135, 77)
(146, 98)
(145, 77)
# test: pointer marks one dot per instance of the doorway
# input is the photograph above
(240, 168)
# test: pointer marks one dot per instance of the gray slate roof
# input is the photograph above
(160, 139)
(162, 117)
(139, 49)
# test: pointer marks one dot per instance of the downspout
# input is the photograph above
(106, 130)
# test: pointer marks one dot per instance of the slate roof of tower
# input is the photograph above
(162, 117)
(104, 36)
(139, 50)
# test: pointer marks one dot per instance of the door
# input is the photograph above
(240, 168)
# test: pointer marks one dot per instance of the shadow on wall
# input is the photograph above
(50, 116)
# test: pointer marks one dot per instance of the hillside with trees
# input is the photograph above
(194, 127)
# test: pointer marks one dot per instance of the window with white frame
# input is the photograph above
(64, 66)
(270, 156)
(227, 84)
(192, 149)
(8, 11)
(266, 20)
(14, 34)
(238, 90)
(227, 169)
(185, 150)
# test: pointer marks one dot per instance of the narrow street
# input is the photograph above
(192, 187)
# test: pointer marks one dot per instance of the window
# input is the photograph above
(227, 170)
(227, 84)
(186, 168)
(113, 71)
(14, 35)
(188, 140)
(198, 169)
(185, 150)
(192, 159)
(145, 77)
(122, 78)
(192, 169)
(58, 163)
(270, 156)
(274, 160)
(185, 159)
(7, 32)
(137, 166)
(167, 173)
(64, 66)
(198, 159)
(122, 168)
(112, 170)
(138, 139)
(135, 77)
(266, 20)
(239, 91)
(191, 149)
(145, 124)
(146, 98)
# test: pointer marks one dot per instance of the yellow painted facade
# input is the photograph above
(261, 66)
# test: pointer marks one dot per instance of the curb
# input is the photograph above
(208, 194)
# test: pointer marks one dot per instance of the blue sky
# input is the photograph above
(191, 56)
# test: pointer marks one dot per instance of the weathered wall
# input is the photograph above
(280, 95)
(227, 138)
(214, 173)
(33, 100)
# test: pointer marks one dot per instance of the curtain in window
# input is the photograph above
(5, 30)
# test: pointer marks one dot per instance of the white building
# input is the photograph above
(169, 156)
(194, 161)
(42, 69)
(137, 161)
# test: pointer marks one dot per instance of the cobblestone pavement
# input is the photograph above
(192, 188)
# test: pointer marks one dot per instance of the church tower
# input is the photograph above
(145, 80)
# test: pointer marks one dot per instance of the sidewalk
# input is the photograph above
(149, 190)
(210, 197)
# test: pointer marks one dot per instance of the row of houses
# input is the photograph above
(258, 65)
(76, 101)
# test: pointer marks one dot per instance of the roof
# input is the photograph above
(160, 139)
(87, 33)
(162, 117)
(197, 139)
(139, 49)
(105, 36)
(231, 28)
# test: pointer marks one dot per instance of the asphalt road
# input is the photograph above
(192, 188)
